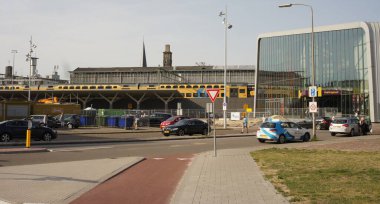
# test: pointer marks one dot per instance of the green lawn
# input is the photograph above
(322, 176)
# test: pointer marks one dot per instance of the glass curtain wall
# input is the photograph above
(341, 70)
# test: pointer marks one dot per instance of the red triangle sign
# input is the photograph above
(212, 94)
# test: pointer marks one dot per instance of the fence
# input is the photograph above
(126, 118)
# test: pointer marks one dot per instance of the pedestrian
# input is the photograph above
(363, 126)
(245, 124)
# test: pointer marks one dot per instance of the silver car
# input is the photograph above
(348, 126)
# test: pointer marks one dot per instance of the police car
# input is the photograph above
(281, 132)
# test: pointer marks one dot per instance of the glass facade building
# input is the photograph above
(346, 61)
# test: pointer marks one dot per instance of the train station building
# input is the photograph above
(347, 68)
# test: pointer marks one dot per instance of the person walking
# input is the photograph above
(245, 124)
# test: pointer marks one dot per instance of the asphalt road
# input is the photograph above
(149, 149)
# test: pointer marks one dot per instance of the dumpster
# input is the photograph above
(126, 122)
(113, 121)
(86, 120)
(83, 120)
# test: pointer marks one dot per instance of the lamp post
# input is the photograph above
(312, 55)
(13, 67)
(226, 27)
(32, 62)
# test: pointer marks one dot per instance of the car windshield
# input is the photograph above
(268, 125)
(37, 117)
(171, 118)
(340, 121)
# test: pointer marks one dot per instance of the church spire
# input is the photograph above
(144, 56)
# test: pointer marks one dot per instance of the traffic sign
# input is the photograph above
(313, 91)
(212, 94)
(313, 107)
(224, 106)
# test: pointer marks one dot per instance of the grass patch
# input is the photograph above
(322, 176)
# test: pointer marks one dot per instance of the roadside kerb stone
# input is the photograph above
(58, 182)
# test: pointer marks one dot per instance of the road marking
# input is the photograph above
(183, 159)
(78, 149)
(199, 143)
(158, 158)
(176, 145)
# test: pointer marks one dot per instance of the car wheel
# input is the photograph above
(204, 131)
(181, 132)
(318, 126)
(261, 140)
(70, 126)
(281, 139)
(47, 136)
(306, 137)
(5, 137)
(333, 134)
(352, 132)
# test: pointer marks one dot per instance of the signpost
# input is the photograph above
(212, 94)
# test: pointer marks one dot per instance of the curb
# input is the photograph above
(22, 150)
(105, 178)
(110, 141)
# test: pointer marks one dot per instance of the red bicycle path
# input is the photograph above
(152, 181)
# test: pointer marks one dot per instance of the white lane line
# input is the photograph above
(78, 149)
(176, 145)
(199, 143)
(158, 158)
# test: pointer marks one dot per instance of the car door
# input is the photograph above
(192, 127)
(296, 129)
(17, 128)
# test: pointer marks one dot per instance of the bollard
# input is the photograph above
(28, 134)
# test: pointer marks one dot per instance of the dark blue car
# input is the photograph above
(11, 129)
(186, 127)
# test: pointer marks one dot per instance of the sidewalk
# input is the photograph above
(231, 177)
(234, 177)
(57, 182)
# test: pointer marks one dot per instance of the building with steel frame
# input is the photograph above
(347, 64)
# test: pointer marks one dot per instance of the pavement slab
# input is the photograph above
(231, 177)
(58, 182)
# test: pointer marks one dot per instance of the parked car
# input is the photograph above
(322, 123)
(307, 124)
(46, 120)
(348, 126)
(69, 120)
(11, 129)
(172, 120)
(282, 132)
(186, 126)
(153, 120)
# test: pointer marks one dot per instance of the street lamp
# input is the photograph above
(226, 27)
(13, 67)
(312, 55)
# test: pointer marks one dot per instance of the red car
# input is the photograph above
(171, 121)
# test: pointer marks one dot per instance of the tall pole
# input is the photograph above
(31, 63)
(225, 72)
(312, 55)
(313, 65)
(13, 67)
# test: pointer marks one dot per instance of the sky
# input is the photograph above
(110, 33)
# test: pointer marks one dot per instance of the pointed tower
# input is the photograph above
(144, 56)
(167, 57)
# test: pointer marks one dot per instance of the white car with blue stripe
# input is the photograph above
(282, 132)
